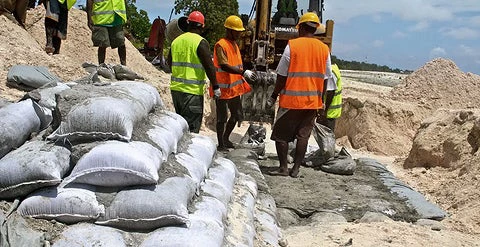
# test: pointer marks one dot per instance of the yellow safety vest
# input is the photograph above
(70, 3)
(188, 74)
(103, 11)
(335, 109)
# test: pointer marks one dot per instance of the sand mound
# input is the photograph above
(440, 84)
(20, 46)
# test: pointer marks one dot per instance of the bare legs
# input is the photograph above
(122, 53)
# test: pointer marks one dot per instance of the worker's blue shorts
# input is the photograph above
(108, 36)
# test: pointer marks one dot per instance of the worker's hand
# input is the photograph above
(271, 101)
(321, 116)
(249, 75)
(217, 93)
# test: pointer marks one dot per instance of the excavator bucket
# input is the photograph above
(255, 102)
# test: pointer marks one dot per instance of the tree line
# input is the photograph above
(355, 65)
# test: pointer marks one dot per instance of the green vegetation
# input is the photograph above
(354, 65)
(138, 24)
(215, 12)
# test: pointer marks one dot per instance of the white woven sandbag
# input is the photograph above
(67, 205)
(146, 93)
(116, 163)
(205, 229)
(112, 116)
(85, 234)
(34, 165)
(220, 180)
(202, 148)
(18, 121)
(195, 168)
(146, 208)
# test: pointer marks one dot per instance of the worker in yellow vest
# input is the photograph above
(302, 78)
(106, 19)
(333, 102)
(191, 63)
(230, 76)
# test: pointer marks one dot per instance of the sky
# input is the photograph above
(403, 34)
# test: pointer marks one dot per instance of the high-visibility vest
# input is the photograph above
(70, 3)
(103, 11)
(306, 74)
(335, 109)
(188, 74)
(231, 85)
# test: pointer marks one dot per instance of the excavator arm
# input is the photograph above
(262, 46)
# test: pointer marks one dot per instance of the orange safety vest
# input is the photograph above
(231, 85)
(306, 74)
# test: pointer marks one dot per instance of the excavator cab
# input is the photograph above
(262, 46)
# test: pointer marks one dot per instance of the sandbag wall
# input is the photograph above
(111, 156)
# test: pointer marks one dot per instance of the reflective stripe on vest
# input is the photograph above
(335, 109)
(306, 74)
(188, 74)
(231, 85)
(103, 12)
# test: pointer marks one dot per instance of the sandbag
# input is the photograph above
(202, 148)
(254, 139)
(163, 129)
(45, 96)
(115, 163)
(146, 208)
(220, 180)
(18, 121)
(341, 164)
(64, 204)
(14, 231)
(205, 228)
(325, 139)
(268, 231)
(85, 234)
(34, 165)
(124, 73)
(90, 113)
(27, 77)
(196, 170)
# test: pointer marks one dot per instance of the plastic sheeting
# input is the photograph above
(115, 163)
(414, 199)
(34, 165)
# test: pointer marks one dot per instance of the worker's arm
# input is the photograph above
(205, 56)
(89, 13)
(329, 85)
(279, 85)
(169, 59)
(223, 61)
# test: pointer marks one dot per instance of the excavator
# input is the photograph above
(262, 46)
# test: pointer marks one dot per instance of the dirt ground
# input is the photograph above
(386, 121)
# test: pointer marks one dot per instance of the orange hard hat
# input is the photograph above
(196, 16)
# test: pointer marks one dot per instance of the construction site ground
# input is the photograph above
(424, 128)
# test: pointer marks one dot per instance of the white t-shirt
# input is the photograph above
(282, 69)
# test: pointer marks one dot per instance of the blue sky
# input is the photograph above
(402, 34)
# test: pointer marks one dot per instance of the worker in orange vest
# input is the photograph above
(231, 79)
(303, 76)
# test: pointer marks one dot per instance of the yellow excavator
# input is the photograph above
(262, 46)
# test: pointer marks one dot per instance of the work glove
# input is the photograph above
(271, 102)
(217, 93)
(249, 75)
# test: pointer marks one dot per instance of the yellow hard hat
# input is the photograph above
(235, 23)
(309, 17)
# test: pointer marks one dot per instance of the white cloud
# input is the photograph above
(378, 43)
(399, 34)
(343, 48)
(420, 26)
(437, 52)
(461, 33)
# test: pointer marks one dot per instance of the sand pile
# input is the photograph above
(20, 46)
(440, 84)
